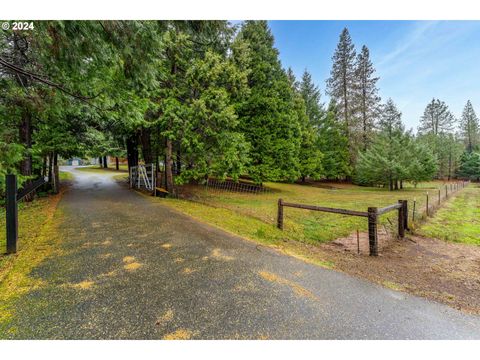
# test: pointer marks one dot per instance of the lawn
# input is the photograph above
(458, 220)
(99, 170)
(36, 241)
(254, 216)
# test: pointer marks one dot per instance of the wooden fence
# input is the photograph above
(371, 214)
(230, 185)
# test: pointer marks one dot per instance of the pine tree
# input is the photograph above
(267, 115)
(390, 120)
(292, 79)
(470, 166)
(310, 156)
(420, 162)
(311, 96)
(367, 101)
(333, 143)
(436, 118)
(341, 85)
(469, 127)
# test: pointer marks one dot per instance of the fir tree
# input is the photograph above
(469, 127)
(470, 166)
(311, 96)
(341, 85)
(267, 115)
(367, 101)
(390, 120)
(436, 119)
(333, 143)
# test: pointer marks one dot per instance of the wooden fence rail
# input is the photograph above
(372, 215)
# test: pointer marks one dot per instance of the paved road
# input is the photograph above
(133, 269)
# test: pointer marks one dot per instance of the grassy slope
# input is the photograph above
(458, 220)
(37, 221)
(254, 216)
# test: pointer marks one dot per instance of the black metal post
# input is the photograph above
(401, 221)
(405, 215)
(11, 213)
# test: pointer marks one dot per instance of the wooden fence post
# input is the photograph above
(401, 230)
(372, 231)
(413, 211)
(439, 196)
(446, 191)
(405, 215)
(427, 204)
(280, 214)
(11, 212)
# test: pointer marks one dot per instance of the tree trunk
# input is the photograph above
(168, 168)
(100, 161)
(116, 163)
(401, 184)
(132, 151)
(44, 166)
(50, 169)
(146, 146)
(25, 136)
(56, 175)
(105, 163)
(179, 161)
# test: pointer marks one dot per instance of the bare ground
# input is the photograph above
(435, 269)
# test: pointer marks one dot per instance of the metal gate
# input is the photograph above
(143, 177)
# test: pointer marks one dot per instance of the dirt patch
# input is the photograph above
(435, 269)
(358, 243)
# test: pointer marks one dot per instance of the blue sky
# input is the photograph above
(415, 60)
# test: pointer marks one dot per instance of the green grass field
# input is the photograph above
(254, 216)
(458, 220)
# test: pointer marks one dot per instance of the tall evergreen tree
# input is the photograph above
(333, 144)
(311, 96)
(470, 166)
(341, 85)
(267, 115)
(469, 127)
(309, 110)
(436, 118)
(390, 120)
(367, 101)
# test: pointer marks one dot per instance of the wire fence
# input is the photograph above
(434, 199)
(235, 186)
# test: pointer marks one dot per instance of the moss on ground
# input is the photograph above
(65, 176)
(37, 240)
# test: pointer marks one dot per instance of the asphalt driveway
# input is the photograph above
(131, 268)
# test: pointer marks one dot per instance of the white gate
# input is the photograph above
(143, 177)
